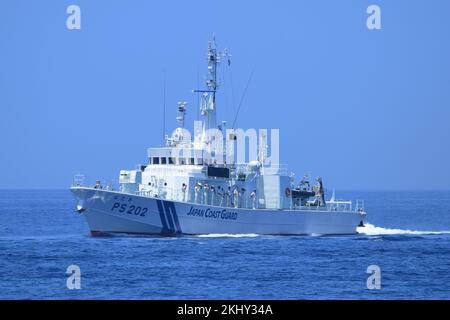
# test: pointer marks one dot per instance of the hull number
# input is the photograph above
(129, 209)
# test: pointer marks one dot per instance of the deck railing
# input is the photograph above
(79, 180)
(211, 198)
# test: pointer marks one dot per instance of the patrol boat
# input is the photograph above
(198, 186)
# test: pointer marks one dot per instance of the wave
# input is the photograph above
(228, 235)
(371, 230)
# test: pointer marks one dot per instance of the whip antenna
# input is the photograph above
(242, 98)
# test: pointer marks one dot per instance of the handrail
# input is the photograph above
(212, 198)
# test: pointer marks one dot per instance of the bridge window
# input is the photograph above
(163, 160)
(191, 161)
(155, 160)
(172, 160)
(199, 161)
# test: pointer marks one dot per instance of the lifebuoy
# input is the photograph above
(288, 192)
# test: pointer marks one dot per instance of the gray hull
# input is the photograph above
(115, 212)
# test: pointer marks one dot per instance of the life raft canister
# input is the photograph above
(288, 192)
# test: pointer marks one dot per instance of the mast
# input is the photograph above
(213, 59)
(208, 96)
(208, 107)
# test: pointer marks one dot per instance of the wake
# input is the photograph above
(371, 230)
(368, 229)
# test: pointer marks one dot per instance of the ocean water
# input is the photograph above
(407, 236)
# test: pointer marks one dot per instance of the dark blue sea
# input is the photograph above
(407, 236)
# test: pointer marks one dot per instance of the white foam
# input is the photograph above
(228, 235)
(371, 230)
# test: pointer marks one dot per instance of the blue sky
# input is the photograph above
(365, 109)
